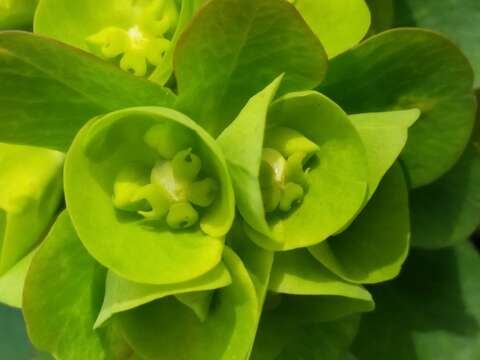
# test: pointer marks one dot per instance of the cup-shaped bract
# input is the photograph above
(30, 196)
(302, 177)
(138, 36)
(149, 194)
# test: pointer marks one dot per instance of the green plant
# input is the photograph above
(232, 196)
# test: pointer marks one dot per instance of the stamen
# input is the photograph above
(158, 200)
(144, 43)
(203, 193)
(186, 165)
(181, 216)
(292, 194)
(284, 182)
(289, 142)
(171, 190)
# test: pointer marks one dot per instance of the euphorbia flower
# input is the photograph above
(151, 184)
(138, 36)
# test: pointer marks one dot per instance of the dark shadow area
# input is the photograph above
(430, 308)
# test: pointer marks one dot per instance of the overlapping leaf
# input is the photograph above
(50, 90)
(339, 24)
(163, 328)
(62, 297)
(405, 69)
(430, 312)
(373, 248)
(235, 48)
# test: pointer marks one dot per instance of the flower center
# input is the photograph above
(173, 190)
(144, 43)
(283, 169)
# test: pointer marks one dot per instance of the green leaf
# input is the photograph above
(339, 24)
(454, 215)
(146, 251)
(242, 145)
(384, 136)
(30, 196)
(297, 272)
(337, 182)
(159, 330)
(12, 282)
(235, 48)
(373, 248)
(405, 69)
(15, 14)
(383, 15)
(430, 312)
(457, 19)
(62, 297)
(122, 295)
(310, 322)
(278, 340)
(49, 90)
(258, 261)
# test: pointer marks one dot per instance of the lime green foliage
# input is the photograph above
(259, 40)
(30, 195)
(373, 248)
(62, 297)
(122, 295)
(12, 282)
(16, 14)
(42, 72)
(146, 250)
(405, 69)
(384, 135)
(295, 322)
(430, 312)
(159, 330)
(339, 24)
